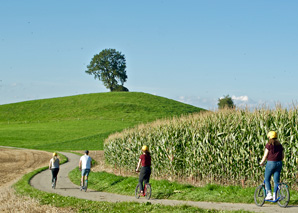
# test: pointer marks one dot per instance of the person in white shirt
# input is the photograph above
(85, 166)
(54, 167)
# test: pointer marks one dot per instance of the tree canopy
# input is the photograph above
(226, 102)
(109, 66)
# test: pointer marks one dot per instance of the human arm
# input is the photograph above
(50, 164)
(139, 164)
(80, 165)
(264, 157)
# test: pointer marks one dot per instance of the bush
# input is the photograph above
(120, 88)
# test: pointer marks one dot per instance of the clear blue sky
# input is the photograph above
(192, 51)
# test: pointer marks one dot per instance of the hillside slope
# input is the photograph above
(82, 121)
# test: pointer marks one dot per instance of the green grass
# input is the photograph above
(65, 135)
(80, 205)
(163, 189)
(83, 121)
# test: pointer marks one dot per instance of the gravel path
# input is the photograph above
(65, 187)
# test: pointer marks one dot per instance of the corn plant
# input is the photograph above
(220, 146)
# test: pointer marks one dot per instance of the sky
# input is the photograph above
(192, 51)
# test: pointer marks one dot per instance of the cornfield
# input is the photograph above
(214, 147)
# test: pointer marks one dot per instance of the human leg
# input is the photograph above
(147, 175)
(86, 173)
(55, 174)
(268, 172)
(141, 179)
(82, 181)
(82, 178)
(276, 174)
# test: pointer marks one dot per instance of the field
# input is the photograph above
(17, 162)
(130, 120)
(83, 121)
(220, 147)
(14, 164)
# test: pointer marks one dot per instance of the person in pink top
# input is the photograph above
(145, 162)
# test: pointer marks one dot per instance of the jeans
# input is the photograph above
(272, 168)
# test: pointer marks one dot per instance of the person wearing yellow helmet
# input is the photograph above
(145, 162)
(145, 148)
(274, 154)
(54, 167)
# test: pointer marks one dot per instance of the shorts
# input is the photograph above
(85, 172)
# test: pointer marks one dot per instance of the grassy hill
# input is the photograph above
(82, 121)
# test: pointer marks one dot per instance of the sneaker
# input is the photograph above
(274, 196)
(269, 196)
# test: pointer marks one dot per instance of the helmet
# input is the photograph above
(272, 135)
(54, 154)
(145, 148)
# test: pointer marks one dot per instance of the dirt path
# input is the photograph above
(65, 187)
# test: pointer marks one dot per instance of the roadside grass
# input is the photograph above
(23, 188)
(83, 121)
(163, 189)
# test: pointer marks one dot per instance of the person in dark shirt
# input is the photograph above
(145, 161)
(274, 153)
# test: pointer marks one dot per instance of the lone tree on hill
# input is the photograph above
(109, 67)
(226, 102)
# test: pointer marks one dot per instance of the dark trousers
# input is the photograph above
(144, 176)
(54, 174)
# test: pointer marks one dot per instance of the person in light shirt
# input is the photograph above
(85, 166)
(54, 167)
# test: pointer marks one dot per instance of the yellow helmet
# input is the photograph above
(145, 148)
(54, 154)
(272, 135)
